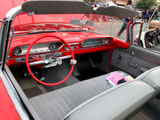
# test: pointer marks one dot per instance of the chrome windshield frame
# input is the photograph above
(13, 13)
(5, 31)
(4, 38)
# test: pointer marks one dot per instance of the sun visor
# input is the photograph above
(116, 11)
(56, 7)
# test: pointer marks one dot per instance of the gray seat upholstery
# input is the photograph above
(95, 101)
(151, 77)
(114, 104)
(55, 105)
(121, 100)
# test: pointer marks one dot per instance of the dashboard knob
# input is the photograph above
(73, 61)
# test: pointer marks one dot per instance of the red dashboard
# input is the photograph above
(80, 42)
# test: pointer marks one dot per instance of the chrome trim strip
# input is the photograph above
(14, 96)
(77, 43)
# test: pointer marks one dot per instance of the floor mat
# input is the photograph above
(90, 73)
(29, 85)
(31, 92)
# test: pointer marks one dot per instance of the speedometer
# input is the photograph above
(53, 46)
(17, 51)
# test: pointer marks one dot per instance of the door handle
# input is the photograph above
(134, 65)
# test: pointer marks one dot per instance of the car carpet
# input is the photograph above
(90, 73)
(31, 87)
(31, 92)
(87, 68)
(28, 85)
(55, 74)
(152, 109)
(58, 73)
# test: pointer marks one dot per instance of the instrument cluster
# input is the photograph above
(37, 48)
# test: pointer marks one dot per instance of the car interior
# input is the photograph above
(83, 66)
(152, 39)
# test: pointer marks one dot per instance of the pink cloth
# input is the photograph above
(115, 77)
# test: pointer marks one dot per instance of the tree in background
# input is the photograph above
(146, 4)
(159, 8)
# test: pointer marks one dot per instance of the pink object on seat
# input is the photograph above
(116, 78)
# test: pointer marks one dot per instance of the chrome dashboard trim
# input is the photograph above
(42, 50)
(36, 48)
(74, 43)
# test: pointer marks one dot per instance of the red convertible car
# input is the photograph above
(55, 66)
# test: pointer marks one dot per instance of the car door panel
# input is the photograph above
(134, 60)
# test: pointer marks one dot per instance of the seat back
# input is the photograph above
(152, 78)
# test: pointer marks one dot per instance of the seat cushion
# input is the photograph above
(56, 104)
(113, 104)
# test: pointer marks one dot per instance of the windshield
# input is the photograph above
(57, 22)
(61, 23)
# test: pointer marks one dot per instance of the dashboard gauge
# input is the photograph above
(105, 41)
(95, 42)
(17, 51)
(53, 46)
(36, 49)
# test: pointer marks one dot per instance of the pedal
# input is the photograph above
(27, 74)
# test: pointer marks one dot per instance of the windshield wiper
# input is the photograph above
(74, 31)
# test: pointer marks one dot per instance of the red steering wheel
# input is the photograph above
(28, 64)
